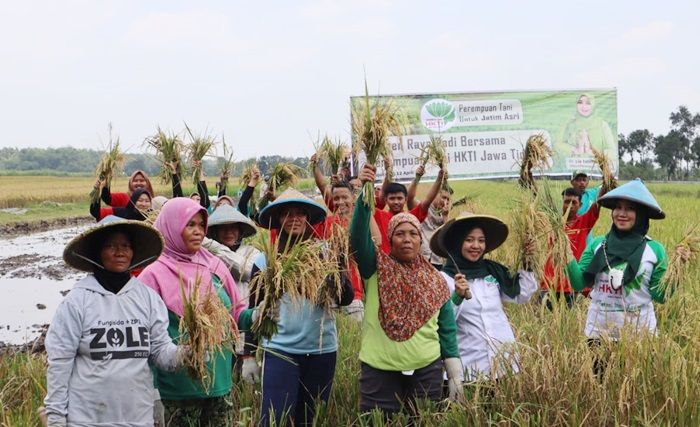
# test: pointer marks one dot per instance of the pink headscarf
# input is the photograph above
(176, 262)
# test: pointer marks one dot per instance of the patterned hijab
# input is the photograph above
(409, 293)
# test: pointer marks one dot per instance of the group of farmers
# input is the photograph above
(428, 300)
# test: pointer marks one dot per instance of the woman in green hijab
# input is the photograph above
(624, 268)
(585, 131)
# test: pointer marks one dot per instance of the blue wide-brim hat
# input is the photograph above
(226, 214)
(269, 217)
(634, 191)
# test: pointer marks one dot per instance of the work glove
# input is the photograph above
(356, 310)
(455, 378)
(158, 413)
(250, 371)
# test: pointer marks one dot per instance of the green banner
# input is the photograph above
(485, 133)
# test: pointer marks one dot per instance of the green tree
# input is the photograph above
(666, 149)
(640, 141)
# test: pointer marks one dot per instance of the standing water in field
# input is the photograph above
(33, 281)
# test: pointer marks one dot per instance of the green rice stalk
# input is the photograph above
(609, 181)
(297, 270)
(283, 175)
(199, 147)
(536, 155)
(112, 161)
(168, 147)
(373, 122)
(207, 327)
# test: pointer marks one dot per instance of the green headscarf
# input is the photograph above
(508, 285)
(621, 246)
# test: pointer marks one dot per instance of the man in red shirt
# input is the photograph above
(395, 194)
(577, 229)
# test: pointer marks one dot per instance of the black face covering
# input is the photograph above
(113, 282)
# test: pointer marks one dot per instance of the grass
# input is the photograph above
(649, 381)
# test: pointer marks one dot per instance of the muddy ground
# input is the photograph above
(23, 228)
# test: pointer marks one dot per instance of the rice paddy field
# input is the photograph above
(649, 380)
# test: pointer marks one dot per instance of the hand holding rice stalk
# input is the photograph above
(536, 154)
(373, 121)
(197, 149)
(169, 152)
(332, 153)
(283, 175)
(297, 270)
(685, 253)
(225, 163)
(206, 327)
(434, 153)
(111, 161)
(609, 181)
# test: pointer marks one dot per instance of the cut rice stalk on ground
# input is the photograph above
(298, 271)
(169, 149)
(206, 327)
(609, 181)
(199, 146)
(536, 155)
(112, 162)
(373, 121)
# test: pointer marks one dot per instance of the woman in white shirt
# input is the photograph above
(479, 288)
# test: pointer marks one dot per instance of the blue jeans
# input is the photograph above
(291, 383)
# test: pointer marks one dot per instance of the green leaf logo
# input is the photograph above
(441, 110)
(438, 114)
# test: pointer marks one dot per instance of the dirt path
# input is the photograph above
(23, 228)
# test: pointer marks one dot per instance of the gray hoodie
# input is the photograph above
(99, 346)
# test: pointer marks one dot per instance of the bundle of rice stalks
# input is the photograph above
(536, 154)
(338, 250)
(333, 153)
(528, 224)
(206, 327)
(433, 153)
(297, 270)
(609, 181)
(225, 163)
(373, 121)
(169, 149)
(112, 161)
(196, 150)
(684, 254)
(283, 175)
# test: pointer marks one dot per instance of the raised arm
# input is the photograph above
(413, 188)
(434, 191)
(361, 242)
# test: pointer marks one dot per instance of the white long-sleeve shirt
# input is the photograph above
(99, 346)
(483, 330)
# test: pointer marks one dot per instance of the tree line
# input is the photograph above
(673, 156)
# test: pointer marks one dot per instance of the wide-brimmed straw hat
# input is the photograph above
(634, 191)
(226, 214)
(495, 230)
(83, 252)
(269, 216)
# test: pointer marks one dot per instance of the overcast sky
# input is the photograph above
(271, 75)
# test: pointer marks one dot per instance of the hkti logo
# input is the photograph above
(437, 114)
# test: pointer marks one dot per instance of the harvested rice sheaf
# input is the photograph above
(373, 121)
(206, 327)
(199, 147)
(684, 254)
(536, 155)
(111, 162)
(297, 270)
(225, 163)
(283, 175)
(333, 153)
(169, 148)
(609, 181)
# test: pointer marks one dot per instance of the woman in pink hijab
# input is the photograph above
(183, 223)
